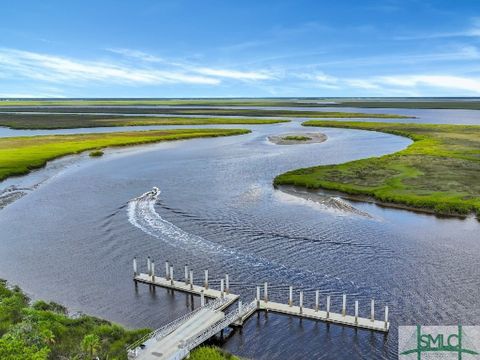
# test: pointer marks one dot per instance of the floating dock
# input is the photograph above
(174, 341)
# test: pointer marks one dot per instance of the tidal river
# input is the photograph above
(72, 240)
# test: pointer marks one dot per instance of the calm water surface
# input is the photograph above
(72, 241)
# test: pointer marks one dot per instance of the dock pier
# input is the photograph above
(177, 339)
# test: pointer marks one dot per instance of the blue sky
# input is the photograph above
(154, 48)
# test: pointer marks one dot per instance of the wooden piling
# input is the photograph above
(372, 310)
(191, 279)
(135, 269)
(328, 306)
(153, 270)
(301, 302)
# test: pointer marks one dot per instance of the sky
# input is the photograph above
(240, 48)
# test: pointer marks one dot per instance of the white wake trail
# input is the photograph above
(142, 214)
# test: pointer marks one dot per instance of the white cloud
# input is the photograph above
(233, 74)
(362, 84)
(408, 84)
(51, 68)
(472, 31)
(145, 70)
(30, 95)
(471, 85)
(136, 54)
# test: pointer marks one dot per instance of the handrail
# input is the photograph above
(167, 329)
(197, 339)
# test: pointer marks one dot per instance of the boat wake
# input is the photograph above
(12, 194)
(142, 214)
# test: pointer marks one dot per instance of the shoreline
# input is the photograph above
(292, 190)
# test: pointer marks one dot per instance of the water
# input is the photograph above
(73, 238)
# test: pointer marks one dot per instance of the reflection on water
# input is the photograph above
(71, 241)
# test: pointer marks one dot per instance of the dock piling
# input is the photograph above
(167, 270)
(135, 269)
(202, 298)
(222, 288)
(205, 284)
(265, 292)
(372, 310)
(153, 270)
(191, 279)
(356, 311)
(290, 296)
(258, 297)
(149, 266)
(301, 302)
(227, 284)
(317, 300)
(344, 305)
(386, 317)
(328, 306)
(186, 274)
(171, 275)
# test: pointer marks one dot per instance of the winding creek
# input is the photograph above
(72, 239)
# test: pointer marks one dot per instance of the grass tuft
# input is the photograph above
(211, 353)
(296, 138)
(96, 153)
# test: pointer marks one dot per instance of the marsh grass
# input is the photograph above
(206, 115)
(96, 153)
(421, 104)
(19, 155)
(70, 121)
(211, 353)
(439, 172)
(296, 138)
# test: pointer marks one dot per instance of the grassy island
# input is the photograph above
(19, 155)
(439, 172)
(296, 138)
(96, 153)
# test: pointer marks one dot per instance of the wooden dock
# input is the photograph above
(177, 339)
